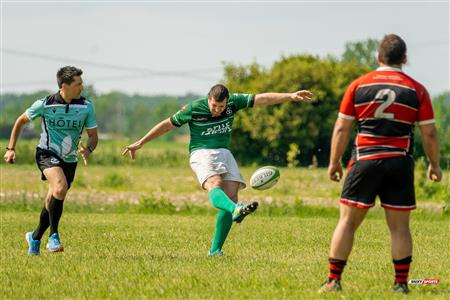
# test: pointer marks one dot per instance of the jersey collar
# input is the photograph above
(59, 99)
(389, 69)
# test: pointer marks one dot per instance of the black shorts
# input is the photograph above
(47, 159)
(392, 179)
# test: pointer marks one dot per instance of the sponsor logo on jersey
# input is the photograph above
(64, 123)
(229, 111)
(218, 129)
(184, 107)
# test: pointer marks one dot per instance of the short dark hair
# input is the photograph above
(66, 75)
(219, 92)
(392, 50)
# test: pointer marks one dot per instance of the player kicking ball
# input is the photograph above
(210, 122)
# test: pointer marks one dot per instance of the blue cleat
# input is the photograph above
(243, 210)
(34, 245)
(54, 244)
(216, 253)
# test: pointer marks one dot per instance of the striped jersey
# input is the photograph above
(386, 104)
(62, 124)
(208, 132)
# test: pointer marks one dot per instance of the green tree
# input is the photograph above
(264, 135)
(362, 53)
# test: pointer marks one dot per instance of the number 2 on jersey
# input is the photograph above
(390, 98)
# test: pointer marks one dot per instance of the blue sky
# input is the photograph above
(175, 48)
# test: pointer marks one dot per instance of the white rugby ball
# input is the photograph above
(264, 178)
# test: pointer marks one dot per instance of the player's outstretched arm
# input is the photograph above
(158, 130)
(275, 98)
(10, 155)
(431, 147)
(341, 136)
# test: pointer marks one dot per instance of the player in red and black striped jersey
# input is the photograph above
(385, 105)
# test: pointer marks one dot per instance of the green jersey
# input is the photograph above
(208, 132)
(62, 124)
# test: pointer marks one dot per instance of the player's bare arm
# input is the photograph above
(158, 130)
(276, 98)
(10, 155)
(341, 136)
(86, 151)
(431, 147)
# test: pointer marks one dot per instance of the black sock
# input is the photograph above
(55, 208)
(44, 222)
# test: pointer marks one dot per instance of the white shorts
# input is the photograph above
(209, 162)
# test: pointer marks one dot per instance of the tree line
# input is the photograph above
(287, 134)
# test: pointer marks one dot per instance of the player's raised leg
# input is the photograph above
(217, 195)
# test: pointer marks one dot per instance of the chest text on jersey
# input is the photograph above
(218, 129)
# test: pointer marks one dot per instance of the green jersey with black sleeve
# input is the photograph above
(208, 132)
(62, 124)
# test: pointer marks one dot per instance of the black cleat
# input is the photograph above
(401, 287)
(243, 210)
(331, 285)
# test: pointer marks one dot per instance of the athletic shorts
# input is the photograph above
(46, 159)
(392, 179)
(209, 162)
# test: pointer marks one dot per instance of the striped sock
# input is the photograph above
(401, 267)
(336, 268)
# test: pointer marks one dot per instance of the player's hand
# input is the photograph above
(84, 152)
(335, 171)
(302, 96)
(434, 173)
(131, 150)
(10, 156)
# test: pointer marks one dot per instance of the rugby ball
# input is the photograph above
(265, 178)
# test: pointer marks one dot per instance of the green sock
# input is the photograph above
(220, 200)
(223, 226)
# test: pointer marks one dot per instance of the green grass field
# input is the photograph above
(131, 256)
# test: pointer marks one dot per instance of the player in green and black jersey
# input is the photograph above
(210, 122)
(64, 116)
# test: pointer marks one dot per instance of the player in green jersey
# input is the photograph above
(210, 122)
(64, 116)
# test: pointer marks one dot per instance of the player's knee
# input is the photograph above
(350, 223)
(60, 189)
(232, 196)
(213, 182)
